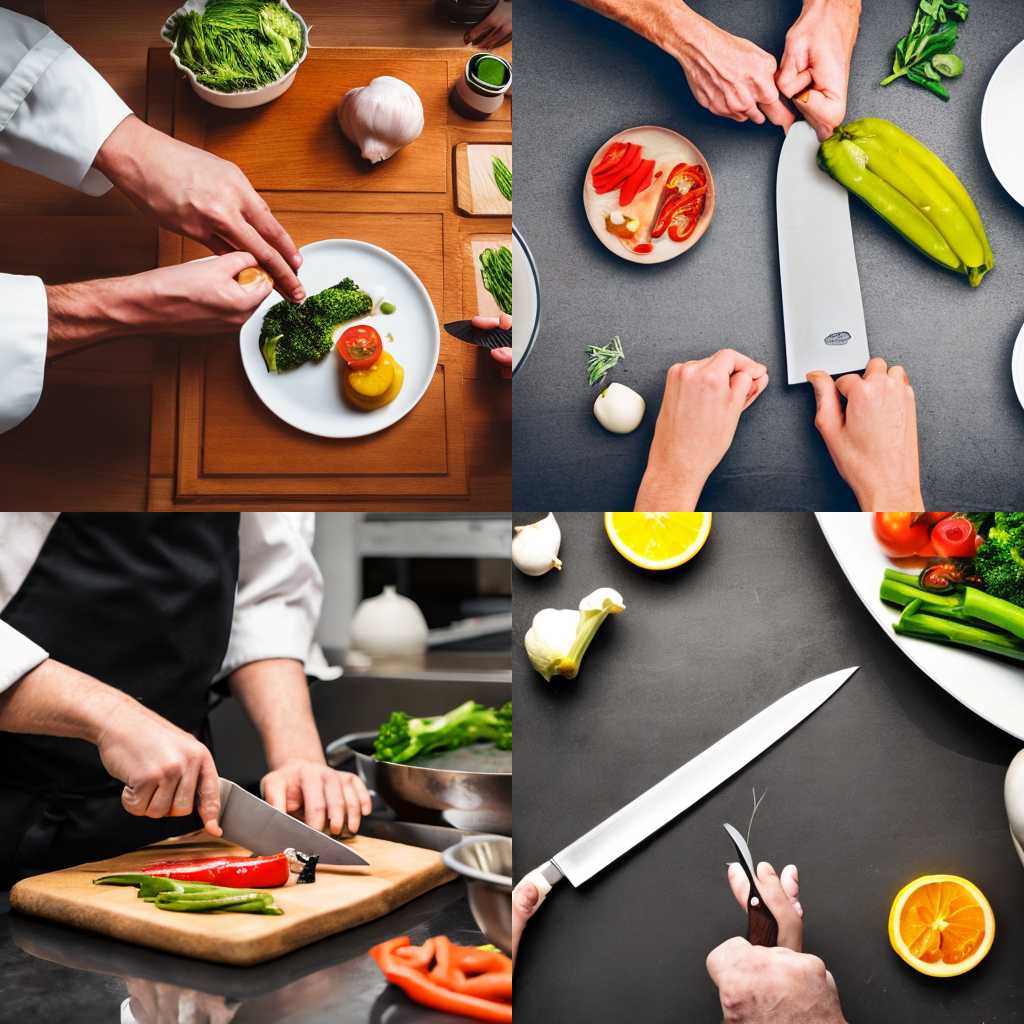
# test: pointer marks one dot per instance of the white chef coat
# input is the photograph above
(55, 113)
(277, 603)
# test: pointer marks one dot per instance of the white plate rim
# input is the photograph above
(532, 267)
(986, 127)
(923, 653)
(417, 284)
(1017, 366)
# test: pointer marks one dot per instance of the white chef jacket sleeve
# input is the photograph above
(280, 590)
(18, 655)
(55, 109)
(22, 347)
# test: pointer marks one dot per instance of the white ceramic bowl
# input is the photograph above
(247, 97)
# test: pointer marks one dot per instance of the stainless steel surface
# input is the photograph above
(480, 801)
(251, 822)
(485, 862)
(652, 810)
(821, 302)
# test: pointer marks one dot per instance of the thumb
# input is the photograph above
(209, 796)
(829, 417)
(822, 112)
(233, 263)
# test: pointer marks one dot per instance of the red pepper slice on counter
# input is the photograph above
(637, 182)
(360, 346)
(234, 872)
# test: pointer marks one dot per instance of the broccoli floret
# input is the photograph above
(1000, 559)
(297, 334)
(402, 737)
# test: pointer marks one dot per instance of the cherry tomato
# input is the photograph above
(360, 346)
(901, 534)
(936, 517)
(954, 538)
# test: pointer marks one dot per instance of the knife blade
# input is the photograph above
(665, 800)
(822, 310)
(252, 823)
(485, 337)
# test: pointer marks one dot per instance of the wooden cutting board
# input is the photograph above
(485, 304)
(335, 902)
(475, 189)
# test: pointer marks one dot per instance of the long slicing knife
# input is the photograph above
(821, 303)
(252, 823)
(650, 811)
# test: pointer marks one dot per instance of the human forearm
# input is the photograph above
(663, 491)
(275, 695)
(57, 700)
(670, 26)
(84, 313)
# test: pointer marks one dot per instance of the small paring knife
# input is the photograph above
(492, 337)
(252, 823)
(762, 928)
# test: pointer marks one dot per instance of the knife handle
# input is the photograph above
(762, 928)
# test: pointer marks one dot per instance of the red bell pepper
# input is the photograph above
(615, 152)
(637, 182)
(606, 180)
(234, 872)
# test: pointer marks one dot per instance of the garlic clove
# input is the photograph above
(382, 117)
(535, 546)
(619, 409)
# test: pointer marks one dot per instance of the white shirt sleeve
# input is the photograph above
(18, 655)
(280, 590)
(55, 109)
(55, 113)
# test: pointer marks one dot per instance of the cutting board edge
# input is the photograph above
(213, 948)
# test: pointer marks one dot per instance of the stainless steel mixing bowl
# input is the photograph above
(486, 864)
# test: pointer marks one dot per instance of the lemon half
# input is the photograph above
(657, 540)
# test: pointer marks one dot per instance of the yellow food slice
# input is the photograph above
(941, 925)
(657, 540)
(375, 380)
(368, 404)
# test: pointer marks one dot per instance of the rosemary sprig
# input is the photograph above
(602, 358)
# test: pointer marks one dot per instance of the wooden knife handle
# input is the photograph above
(762, 928)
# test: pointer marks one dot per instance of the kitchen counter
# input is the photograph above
(55, 974)
(889, 780)
(581, 79)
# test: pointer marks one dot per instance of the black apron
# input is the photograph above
(143, 602)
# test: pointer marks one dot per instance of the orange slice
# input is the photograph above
(941, 925)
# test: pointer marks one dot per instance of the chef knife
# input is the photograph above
(821, 303)
(485, 337)
(667, 799)
(251, 822)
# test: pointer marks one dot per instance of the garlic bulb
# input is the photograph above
(619, 409)
(535, 547)
(382, 117)
(559, 637)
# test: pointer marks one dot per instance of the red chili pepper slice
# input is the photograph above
(668, 208)
(637, 182)
(233, 872)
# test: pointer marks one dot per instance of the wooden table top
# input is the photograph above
(90, 443)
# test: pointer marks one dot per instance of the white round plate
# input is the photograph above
(1017, 367)
(989, 686)
(309, 397)
(526, 289)
(1001, 132)
(667, 148)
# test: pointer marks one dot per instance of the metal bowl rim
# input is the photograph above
(346, 741)
(460, 867)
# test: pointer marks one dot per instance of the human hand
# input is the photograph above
(700, 410)
(166, 771)
(199, 195)
(873, 442)
(325, 796)
(815, 67)
(525, 900)
(493, 31)
(781, 895)
(156, 1002)
(729, 75)
(502, 356)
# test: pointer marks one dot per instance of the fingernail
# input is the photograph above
(798, 908)
(298, 295)
(764, 868)
(730, 867)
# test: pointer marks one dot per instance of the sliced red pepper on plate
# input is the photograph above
(615, 152)
(607, 181)
(643, 248)
(233, 872)
(637, 182)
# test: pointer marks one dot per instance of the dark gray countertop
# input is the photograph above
(580, 79)
(890, 779)
(65, 976)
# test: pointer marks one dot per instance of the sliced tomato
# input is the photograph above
(954, 538)
(360, 346)
(637, 182)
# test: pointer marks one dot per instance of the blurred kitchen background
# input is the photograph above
(456, 570)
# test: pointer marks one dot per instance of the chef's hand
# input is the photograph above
(873, 441)
(156, 1002)
(815, 67)
(525, 900)
(502, 356)
(200, 297)
(700, 410)
(495, 30)
(781, 985)
(729, 75)
(323, 795)
(166, 771)
(200, 195)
